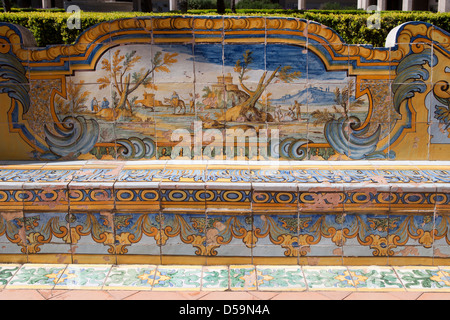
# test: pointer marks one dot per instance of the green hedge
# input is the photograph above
(51, 27)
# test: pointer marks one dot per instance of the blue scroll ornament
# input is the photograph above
(346, 137)
(76, 136)
(15, 81)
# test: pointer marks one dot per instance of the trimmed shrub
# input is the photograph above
(257, 4)
(50, 27)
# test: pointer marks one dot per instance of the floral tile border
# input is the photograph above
(36, 276)
(224, 278)
(7, 271)
(280, 278)
(130, 277)
(243, 277)
(169, 278)
(328, 278)
(84, 276)
(375, 278)
(424, 278)
(215, 278)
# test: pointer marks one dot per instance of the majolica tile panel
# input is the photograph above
(126, 222)
(286, 90)
(141, 87)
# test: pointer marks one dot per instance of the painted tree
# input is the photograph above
(76, 98)
(344, 105)
(209, 98)
(247, 110)
(125, 80)
(342, 99)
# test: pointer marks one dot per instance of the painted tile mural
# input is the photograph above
(182, 87)
(202, 88)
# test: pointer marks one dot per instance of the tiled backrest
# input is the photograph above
(198, 87)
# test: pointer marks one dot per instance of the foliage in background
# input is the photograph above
(257, 4)
(202, 4)
(50, 27)
(335, 6)
(6, 5)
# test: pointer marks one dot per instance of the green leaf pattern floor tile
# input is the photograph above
(83, 276)
(280, 278)
(443, 277)
(177, 278)
(37, 276)
(215, 278)
(375, 278)
(323, 278)
(7, 272)
(131, 277)
(220, 278)
(423, 279)
(243, 278)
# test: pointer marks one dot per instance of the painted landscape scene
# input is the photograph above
(147, 92)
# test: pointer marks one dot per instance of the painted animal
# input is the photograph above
(179, 107)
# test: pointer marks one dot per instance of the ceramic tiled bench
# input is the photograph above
(216, 212)
(225, 140)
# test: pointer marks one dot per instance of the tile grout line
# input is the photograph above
(351, 278)
(229, 278)
(307, 289)
(39, 292)
(154, 277)
(276, 295)
(399, 278)
(11, 279)
(349, 294)
(60, 276)
(51, 293)
(256, 278)
(421, 294)
(106, 277)
(130, 295)
(201, 279)
(20, 267)
(134, 293)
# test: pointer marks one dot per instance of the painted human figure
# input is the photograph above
(94, 105)
(192, 106)
(297, 110)
(291, 113)
(278, 113)
(191, 103)
(175, 98)
(105, 103)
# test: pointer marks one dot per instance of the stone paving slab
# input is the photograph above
(217, 296)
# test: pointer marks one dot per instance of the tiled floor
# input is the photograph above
(234, 282)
